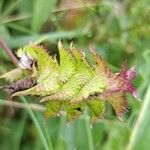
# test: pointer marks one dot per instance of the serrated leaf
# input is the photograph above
(96, 109)
(74, 111)
(94, 86)
(52, 108)
(45, 62)
(118, 102)
(101, 66)
(73, 84)
(81, 62)
(70, 89)
(67, 64)
(82, 75)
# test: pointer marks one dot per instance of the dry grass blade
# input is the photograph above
(35, 107)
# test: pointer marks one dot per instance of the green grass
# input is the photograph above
(119, 30)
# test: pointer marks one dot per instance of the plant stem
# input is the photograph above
(142, 121)
(8, 52)
(37, 125)
(36, 107)
(47, 135)
(89, 134)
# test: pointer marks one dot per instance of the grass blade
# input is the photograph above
(41, 13)
(140, 136)
(89, 134)
(52, 36)
(37, 125)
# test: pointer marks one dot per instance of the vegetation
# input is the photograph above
(119, 31)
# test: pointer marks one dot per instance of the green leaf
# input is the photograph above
(82, 75)
(45, 62)
(101, 65)
(95, 85)
(73, 111)
(41, 12)
(52, 108)
(118, 102)
(67, 64)
(68, 90)
(140, 136)
(96, 109)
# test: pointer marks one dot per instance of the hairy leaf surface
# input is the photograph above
(71, 85)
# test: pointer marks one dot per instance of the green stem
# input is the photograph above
(60, 128)
(44, 126)
(89, 134)
(47, 135)
(37, 125)
(142, 122)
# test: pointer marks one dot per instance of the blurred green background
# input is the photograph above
(119, 30)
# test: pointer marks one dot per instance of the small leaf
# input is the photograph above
(96, 109)
(67, 64)
(82, 75)
(94, 86)
(67, 91)
(101, 66)
(118, 102)
(52, 108)
(74, 111)
(44, 61)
